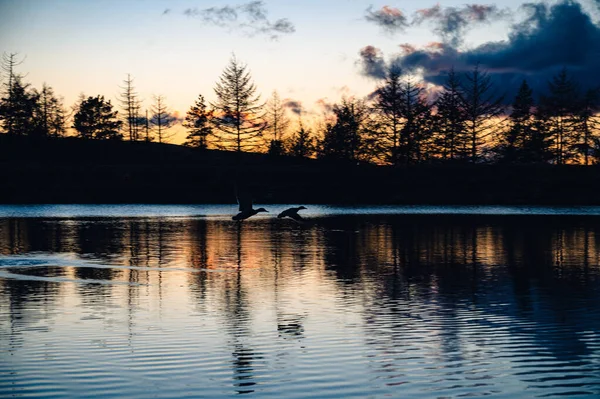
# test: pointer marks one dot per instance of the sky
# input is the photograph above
(312, 52)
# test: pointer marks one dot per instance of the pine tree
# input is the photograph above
(514, 142)
(238, 113)
(198, 123)
(18, 109)
(416, 115)
(131, 105)
(277, 123)
(482, 110)
(388, 98)
(450, 119)
(344, 139)
(161, 120)
(558, 110)
(51, 118)
(588, 123)
(8, 107)
(301, 144)
(95, 119)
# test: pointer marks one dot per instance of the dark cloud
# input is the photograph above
(293, 105)
(390, 19)
(451, 23)
(371, 62)
(547, 39)
(250, 18)
(166, 11)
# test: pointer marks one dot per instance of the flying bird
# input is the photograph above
(292, 213)
(246, 209)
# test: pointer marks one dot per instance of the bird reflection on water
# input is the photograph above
(505, 304)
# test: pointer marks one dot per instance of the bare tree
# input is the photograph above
(162, 119)
(238, 117)
(130, 105)
(277, 123)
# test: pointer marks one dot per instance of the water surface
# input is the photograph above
(418, 302)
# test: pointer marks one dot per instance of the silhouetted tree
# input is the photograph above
(343, 139)
(7, 107)
(131, 105)
(238, 112)
(513, 142)
(18, 109)
(277, 123)
(198, 123)
(51, 118)
(557, 110)
(162, 120)
(482, 110)
(301, 143)
(450, 119)
(388, 98)
(96, 119)
(588, 122)
(416, 116)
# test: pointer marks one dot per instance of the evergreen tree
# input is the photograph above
(415, 131)
(277, 123)
(238, 113)
(301, 143)
(8, 107)
(198, 123)
(558, 111)
(482, 110)
(95, 119)
(450, 119)
(18, 109)
(388, 98)
(162, 120)
(344, 138)
(51, 118)
(588, 123)
(513, 143)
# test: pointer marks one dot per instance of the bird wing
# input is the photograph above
(245, 201)
(284, 213)
(295, 216)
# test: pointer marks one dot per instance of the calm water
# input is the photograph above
(175, 301)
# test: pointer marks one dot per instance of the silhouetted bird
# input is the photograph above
(292, 213)
(245, 209)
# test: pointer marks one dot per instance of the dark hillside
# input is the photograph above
(78, 171)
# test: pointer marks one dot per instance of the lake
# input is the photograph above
(141, 301)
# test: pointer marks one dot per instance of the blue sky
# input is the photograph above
(89, 46)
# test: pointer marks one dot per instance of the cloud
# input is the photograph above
(390, 19)
(372, 63)
(166, 11)
(548, 38)
(451, 23)
(250, 18)
(293, 105)
(325, 105)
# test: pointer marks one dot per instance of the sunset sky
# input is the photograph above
(308, 50)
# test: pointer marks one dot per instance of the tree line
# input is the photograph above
(403, 122)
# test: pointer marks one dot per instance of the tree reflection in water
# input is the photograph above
(266, 281)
